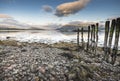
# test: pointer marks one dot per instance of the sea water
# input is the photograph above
(47, 36)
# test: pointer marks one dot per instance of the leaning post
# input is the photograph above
(117, 34)
(96, 30)
(106, 40)
(112, 29)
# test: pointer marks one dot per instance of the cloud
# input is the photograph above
(5, 16)
(47, 8)
(66, 9)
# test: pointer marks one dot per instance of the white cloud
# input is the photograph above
(66, 9)
(5, 16)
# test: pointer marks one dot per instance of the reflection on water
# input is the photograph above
(45, 36)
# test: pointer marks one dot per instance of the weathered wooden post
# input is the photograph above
(115, 48)
(78, 38)
(106, 39)
(111, 35)
(82, 39)
(91, 39)
(88, 38)
(96, 29)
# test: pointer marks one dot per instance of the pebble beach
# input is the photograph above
(56, 62)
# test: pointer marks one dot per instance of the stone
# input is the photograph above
(23, 50)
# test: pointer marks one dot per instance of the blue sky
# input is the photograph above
(32, 12)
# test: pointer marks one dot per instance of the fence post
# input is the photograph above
(115, 48)
(91, 39)
(88, 38)
(82, 39)
(106, 40)
(96, 29)
(78, 38)
(112, 29)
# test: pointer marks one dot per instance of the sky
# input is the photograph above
(59, 11)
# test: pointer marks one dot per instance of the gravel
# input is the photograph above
(33, 62)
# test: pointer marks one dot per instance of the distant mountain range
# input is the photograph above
(74, 25)
(11, 24)
(74, 28)
(70, 28)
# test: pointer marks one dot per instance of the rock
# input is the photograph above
(67, 55)
(75, 60)
(42, 69)
(24, 68)
(56, 62)
(19, 44)
(23, 50)
(42, 63)
(71, 76)
(15, 71)
(50, 66)
(53, 79)
(8, 37)
(33, 68)
(82, 62)
(37, 79)
(117, 63)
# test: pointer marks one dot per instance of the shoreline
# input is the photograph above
(56, 44)
(55, 62)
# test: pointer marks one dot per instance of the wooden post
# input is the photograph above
(82, 39)
(106, 39)
(111, 35)
(78, 38)
(88, 38)
(115, 48)
(91, 37)
(96, 29)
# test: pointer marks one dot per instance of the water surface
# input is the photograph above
(46, 36)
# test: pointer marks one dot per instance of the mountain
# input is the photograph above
(47, 26)
(70, 28)
(13, 24)
(73, 26)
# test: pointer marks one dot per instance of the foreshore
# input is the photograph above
(22, 61)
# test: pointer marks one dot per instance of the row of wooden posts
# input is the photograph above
(111, 28)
